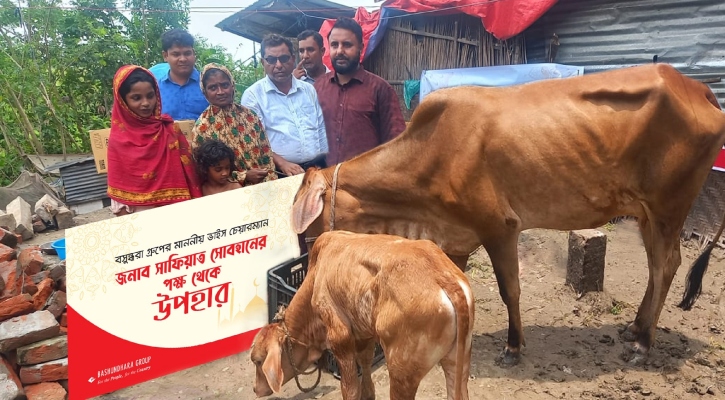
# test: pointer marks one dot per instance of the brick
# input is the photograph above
(39, 226)
(46, 372)
(57, 271)
(10, 386)
(26, 329)
(8, 238)
(56, 303)
(20, 209)
(40, 276)
(29, 286)
(45, 289)
(63, 330)
(19, 238)
(43, 351)
(64, 319)
(60, 285)
(7, 221)
(19, 305)
(64, 218)
(6, 253)
(46, 391)
(585, 264)
(11, 275)
(30, 260)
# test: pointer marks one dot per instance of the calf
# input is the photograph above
(362, 289)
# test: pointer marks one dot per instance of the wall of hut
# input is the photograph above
(413, 44)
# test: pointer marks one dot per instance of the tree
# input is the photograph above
(57, 66)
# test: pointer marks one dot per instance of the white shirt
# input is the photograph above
(293, 121)
(310, 80)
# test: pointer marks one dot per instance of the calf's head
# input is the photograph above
(271, 359)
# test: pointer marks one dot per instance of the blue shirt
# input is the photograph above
(293, 121)
(180, 102)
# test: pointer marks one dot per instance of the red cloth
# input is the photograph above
(502, 18)
(149, 163)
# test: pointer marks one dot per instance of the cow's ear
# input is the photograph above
(272, 367)
(309, 205)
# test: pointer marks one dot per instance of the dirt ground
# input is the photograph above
(573, 346)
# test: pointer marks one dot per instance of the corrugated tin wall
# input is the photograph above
(83, 183)
(606, 34)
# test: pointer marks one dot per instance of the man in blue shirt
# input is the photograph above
(178, 78)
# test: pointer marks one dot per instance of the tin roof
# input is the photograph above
(283, 17)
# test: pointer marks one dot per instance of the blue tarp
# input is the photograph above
(504, 75)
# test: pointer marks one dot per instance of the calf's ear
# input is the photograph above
(272, 367)
(308, 206)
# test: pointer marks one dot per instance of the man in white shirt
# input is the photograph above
(289, 110)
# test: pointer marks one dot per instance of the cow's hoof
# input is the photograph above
(508, 358)
(634, 353)
(628, 333)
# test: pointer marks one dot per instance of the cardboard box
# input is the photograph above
(99, 143)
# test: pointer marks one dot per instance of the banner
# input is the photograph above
(170, 288)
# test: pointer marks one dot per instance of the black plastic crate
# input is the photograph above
(282, 284)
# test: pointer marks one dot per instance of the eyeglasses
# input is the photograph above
(271, 60)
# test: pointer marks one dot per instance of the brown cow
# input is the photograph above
(359, 289)
(479, 165)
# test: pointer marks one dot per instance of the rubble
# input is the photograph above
(46, 391)
(26, 329)
(46, 208)
(33, 323)
(7, 221)
(45, 372)
(64, 219)
(20, 209)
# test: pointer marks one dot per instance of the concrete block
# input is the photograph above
(585, 265)
(20, 209)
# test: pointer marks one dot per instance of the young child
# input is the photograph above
(215, 162)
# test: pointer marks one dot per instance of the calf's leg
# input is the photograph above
(365, 360)
(448, 363)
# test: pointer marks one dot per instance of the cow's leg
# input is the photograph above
(662, 242)
(365, 360)
(460, 261)
(503, 252)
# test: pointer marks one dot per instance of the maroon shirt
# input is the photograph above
(359, 115)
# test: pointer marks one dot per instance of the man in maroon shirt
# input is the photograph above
(361, 109)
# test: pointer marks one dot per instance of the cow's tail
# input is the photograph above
(693, 285)
(464, 318)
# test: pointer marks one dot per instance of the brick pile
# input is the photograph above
(33, 324)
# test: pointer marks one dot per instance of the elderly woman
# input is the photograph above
(149, 163)
(235, 125)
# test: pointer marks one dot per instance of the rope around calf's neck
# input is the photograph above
(288, 344)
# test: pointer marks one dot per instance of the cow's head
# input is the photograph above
(309, 202)
(272, 361)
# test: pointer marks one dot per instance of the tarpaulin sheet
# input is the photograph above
(502, 75)
(502, 18)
